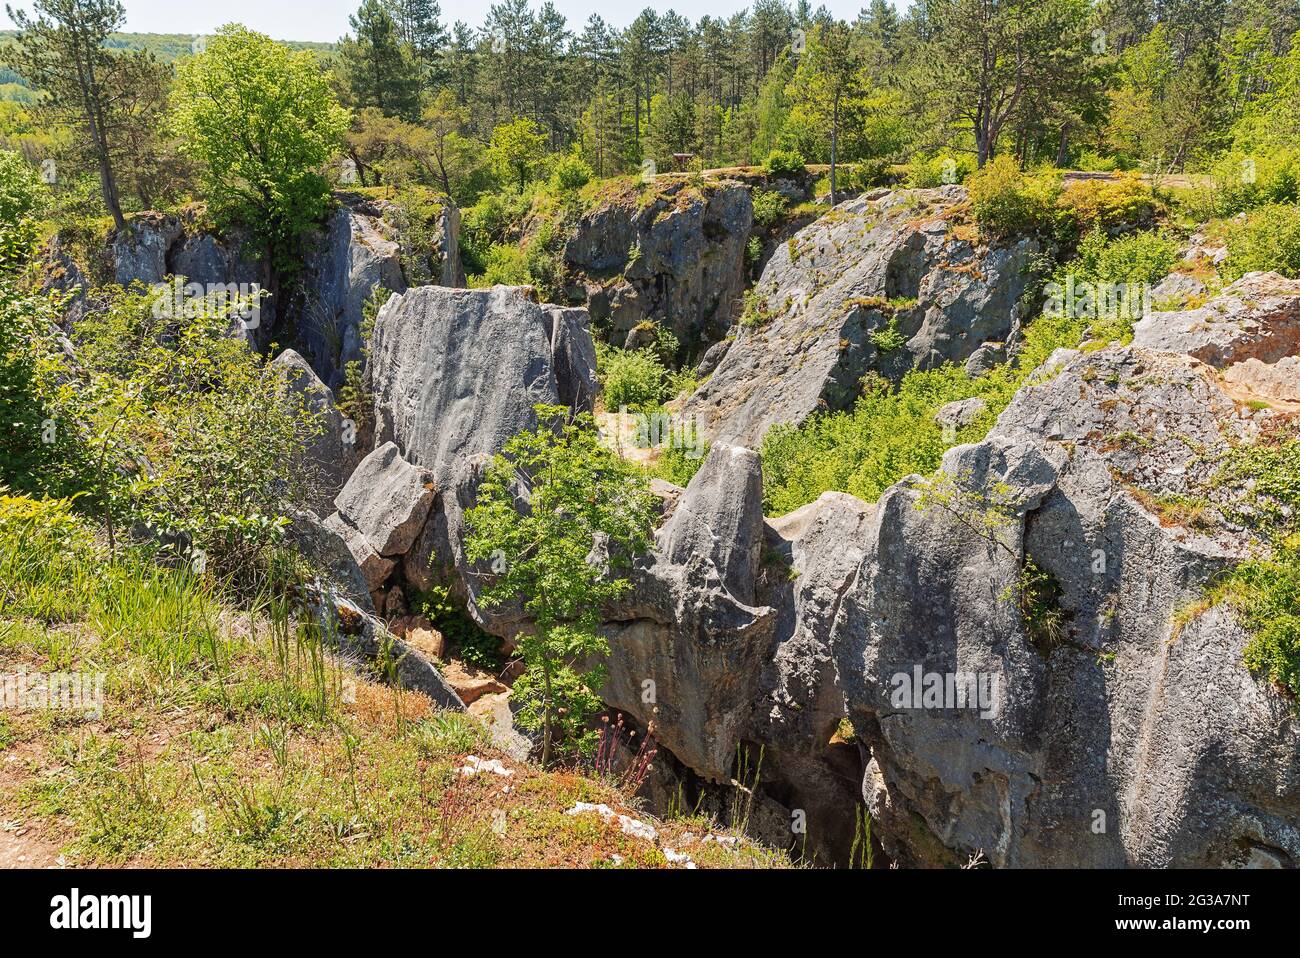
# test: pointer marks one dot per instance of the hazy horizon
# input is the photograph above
(325, 21)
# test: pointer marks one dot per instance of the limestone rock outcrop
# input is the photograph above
(883, 283)
(678, 260)
(457, 372)
(328, 452)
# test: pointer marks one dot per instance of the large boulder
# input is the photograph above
(387, 500)
(457, 372)
(573, 356)
(327, 550)
(1257, 317)
(721, 518)
(329, 449)
(140, 251)
(677, 260)
(883, 283)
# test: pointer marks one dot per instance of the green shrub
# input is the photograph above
(1105, 284)
(1094, 204)
(1006, 201)
(784, 163)
(633, 378)
(769, 207)
(571, 173)
(1264, 478)
(23, 198)
(200, 440)
(1144, 257)
(1094, 162)
(1269, 239)
(1247, 181)
(938, 170)
(42, 442)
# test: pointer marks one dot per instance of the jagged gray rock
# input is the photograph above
(362, 636)
(678, 260)
(1117, 722)
(573, 356)
(880, 283)
(327, 452)
(457, 372)
(387, 500)
(327, 550)
(720, 517)
(374, 567)
(1257, 317)
(140, 255)
(357, 254)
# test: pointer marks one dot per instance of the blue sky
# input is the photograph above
(327, 20)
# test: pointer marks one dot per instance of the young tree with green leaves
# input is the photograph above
(60, 49)
(828, 87)
(517, 150)
(563, 554)
(261, 121)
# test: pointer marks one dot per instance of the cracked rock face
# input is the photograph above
(1112, 743)
(457, 372)
(679, 261)
(881, 283)
(358, 253)
(1257, 317)
(327, 452)
(1078, 728)
(1121, 744)
(387, 500)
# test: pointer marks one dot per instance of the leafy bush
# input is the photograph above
(857, 177)
(578, 491)
(938, 170)
(784, 163)
(632, 378)
(23, 198)
(1269, 239)
(1246, 181)
(1094, 162)
(1005, 200)
(571, 172)
(1265, 592)
(1144, 257)
(260, 120)
(198, 438)
(1093, 204)
(769, 207)
(44, 550)
(42, 449)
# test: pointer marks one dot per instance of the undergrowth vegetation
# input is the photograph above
(891, 432)
(1264, 592)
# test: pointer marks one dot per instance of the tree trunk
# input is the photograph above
(546, 713)
(835, 129)
(1063, 146)
(99, 137)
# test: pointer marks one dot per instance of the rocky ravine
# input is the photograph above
(1121, 742)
